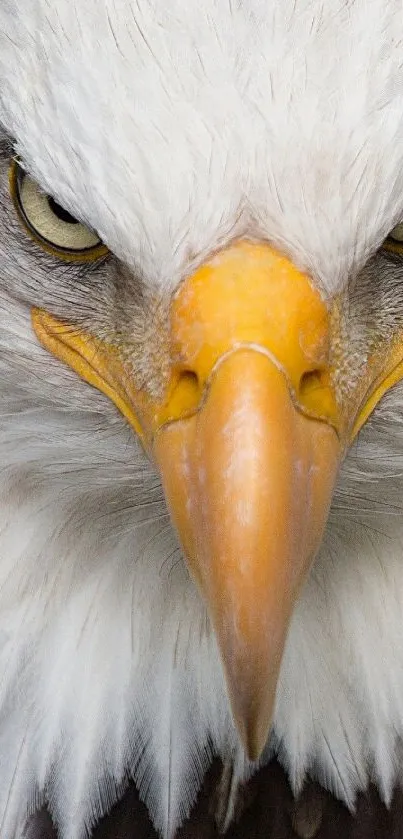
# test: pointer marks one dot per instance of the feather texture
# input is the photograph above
(251, 117)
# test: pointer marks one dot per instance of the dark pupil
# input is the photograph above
(60, 212)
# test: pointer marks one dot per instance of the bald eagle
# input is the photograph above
(201, 358)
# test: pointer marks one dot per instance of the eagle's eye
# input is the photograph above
(394, 242)
(49, 224)
(397, 233)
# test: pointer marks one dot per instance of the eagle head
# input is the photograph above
(201, 309)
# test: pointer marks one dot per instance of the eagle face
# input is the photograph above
(237, 303)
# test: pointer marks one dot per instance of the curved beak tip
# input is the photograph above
(254, 737)
(252, 706)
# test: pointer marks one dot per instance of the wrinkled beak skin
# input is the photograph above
(248, 437)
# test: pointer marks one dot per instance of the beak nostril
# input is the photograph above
(190, 377)
(315, 395)
(311, 381)
(185, 396)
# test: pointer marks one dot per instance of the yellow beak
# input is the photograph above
(248, 436)
(248, 480)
